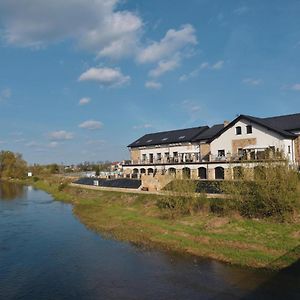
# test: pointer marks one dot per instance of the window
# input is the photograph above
(151, 158)
(240, 151)
(144, 157)
(289, 149)
(158, 156)
(238, 130)
(249, 129)
(221, 152)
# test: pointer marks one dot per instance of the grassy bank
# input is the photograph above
(136, 218)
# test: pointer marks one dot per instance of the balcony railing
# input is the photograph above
(180, 159)
(183, 158)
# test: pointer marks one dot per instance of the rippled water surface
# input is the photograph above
(46, 253)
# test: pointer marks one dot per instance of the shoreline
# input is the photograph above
(135, 218)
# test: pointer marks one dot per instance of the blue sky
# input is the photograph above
(81, 80)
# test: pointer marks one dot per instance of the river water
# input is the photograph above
(46, 253)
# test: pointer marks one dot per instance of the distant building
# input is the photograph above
(116, 166)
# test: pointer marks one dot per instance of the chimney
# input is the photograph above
(226, 123)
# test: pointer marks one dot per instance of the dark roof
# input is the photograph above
(264, 122)
(283, 125)
(169, 137)
(287, 122)
(209, 133)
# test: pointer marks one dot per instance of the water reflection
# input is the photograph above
(46, 253)
(11, 191)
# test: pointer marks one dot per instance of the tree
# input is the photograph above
(12, 165)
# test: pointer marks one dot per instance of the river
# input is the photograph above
(46, 253)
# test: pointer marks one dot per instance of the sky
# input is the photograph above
(82, 79)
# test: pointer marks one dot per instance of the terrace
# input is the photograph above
(248, 153)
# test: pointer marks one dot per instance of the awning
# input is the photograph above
(255, 147)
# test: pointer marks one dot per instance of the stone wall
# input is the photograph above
(297, 150)
(204, 150)
(135, 155)
(241, 143)
(155, 183)
(228, 174)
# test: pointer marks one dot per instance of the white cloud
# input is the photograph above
(165, 66)
(153, 85)
(5, 94)
(204, 66)
(192, 109)
(190, 75)
(95, 25)
(191, 106)
(252, 81)
(295, 87)
(53, 144)
(173, 42)
(91, 125)
(84, 101)
(61, 135)
(218, 65)
(105, 76)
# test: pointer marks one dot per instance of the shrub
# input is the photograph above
(181, 205)
(62, 186)
(274, 192)
(217, 206)
(181, 199)
(35, 179)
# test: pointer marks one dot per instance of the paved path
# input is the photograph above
(134, 191)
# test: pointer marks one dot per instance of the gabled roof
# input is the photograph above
(209, 133)
(287, 122)
(260, 121)
(169, 137)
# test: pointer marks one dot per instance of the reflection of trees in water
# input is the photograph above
(10, 191)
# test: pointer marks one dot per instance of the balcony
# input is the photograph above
(249, 154)
(181, 158)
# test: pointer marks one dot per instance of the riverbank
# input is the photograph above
(135, 218)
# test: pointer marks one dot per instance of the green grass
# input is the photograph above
(135, 218)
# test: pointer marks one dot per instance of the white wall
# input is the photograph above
(185, 148)
(264, 137)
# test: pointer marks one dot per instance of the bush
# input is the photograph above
(274, 192)
(217, 206)
(62, 186)
(35, 179)
(181, 199)
(181, 205)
